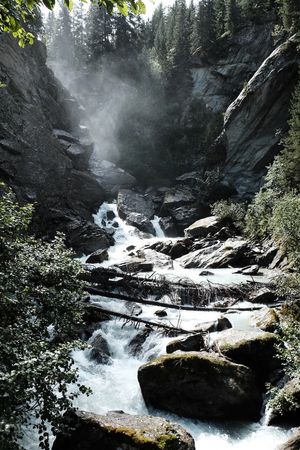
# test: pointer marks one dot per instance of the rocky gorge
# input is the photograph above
(197, 339)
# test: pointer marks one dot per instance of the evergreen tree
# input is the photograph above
(290, 14)
(204, 33)
(231, 16)
(98, 36)
(63, 42)
(78, 29)
(219, 13)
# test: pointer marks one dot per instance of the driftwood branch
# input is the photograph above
(115, 295)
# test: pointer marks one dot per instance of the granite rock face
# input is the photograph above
(43, 156)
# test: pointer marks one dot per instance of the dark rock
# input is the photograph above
(168, 226)
(135, 346)
(255, 349)
(193, 342)
(252, 121)
(178, 249)
(135, 265)
(86, 237)
(100, 351)
(200, 385)
(264, 296)
(110, 177)
(79, 155)
(33, 157)
(141, 222)
(118, 430)
(176, 197)
(97, 257)
(293, 443)
(134, 309)
(288, 412)
(161, 313)
(221, 324)
(206, 273)
(133, 202)
(115, 225)
(190, 179)
(130, 248)
(110, 215)
(267, 257)
(186, 215)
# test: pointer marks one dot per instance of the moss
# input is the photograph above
(166, 441)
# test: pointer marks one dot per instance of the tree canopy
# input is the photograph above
(15, 13)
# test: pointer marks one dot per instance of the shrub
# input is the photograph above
(39, 300)
(233, 212)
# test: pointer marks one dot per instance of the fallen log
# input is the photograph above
(138, 320)
(115, 295)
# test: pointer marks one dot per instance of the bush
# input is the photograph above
(233, 212)
(39, 300)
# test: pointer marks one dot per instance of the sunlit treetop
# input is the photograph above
(15, 13)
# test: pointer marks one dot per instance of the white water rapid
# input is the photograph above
(115, 386)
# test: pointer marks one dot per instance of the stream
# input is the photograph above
(115, 386)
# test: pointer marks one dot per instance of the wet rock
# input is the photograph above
(87, 237)
(255, 349)
(186, 215)
(161, 313)
(141, 222)
(267, 257)
(157, 259)
(79, 155)
(110, 215)
(266, 319)
(135, 265)
(193, 342)
(216, 254)
(117, 430)
(264, 295)
(293, 443)
(250, 270)
(221, 324)
(135, 346)
(168, 226)
(178, 249)
(203, 227)
(178, 196)
(100, 350)
(134, 309)
(65, 136)
(190, 179)
(288, 412)
(133, 202)
(205, 273)
(97, 257)
(200, 385)
(111, 177)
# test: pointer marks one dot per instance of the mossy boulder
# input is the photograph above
(120, 431)
(286, 410)
(253, 348)
(200, 385)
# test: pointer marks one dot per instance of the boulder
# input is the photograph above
(100, 350)
(65, 136)
(293, 443)
(190, 343)
(111, 177)
(203, 227)
(135, 265)
(117, 430)
(200, 385)
(135, 346)
(178, 196)
(266, 319)
(97, 257)
(157, 259)
(205, 273)
(178, 249)
(168, 226)
(263, 295)
(79, 155)
(231, 253)
(253, 348)
(141, 222)
(87, 237)
(288, 411)
(221, 324)
(250, 270)
(133, 202)
(161, 313)
(186, 215)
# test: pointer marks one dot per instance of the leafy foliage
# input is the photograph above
(14, 13)
(39, 314)
(234, 212)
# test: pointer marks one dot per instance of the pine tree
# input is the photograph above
(78, 30)
(219, 13)
(204, 33)
(231, 16)
(63, 42)
(98, 33)
(290, 14)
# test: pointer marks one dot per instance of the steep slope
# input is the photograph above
(256, 121)
(39, 158)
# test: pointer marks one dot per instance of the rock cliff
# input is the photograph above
(43, 156)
